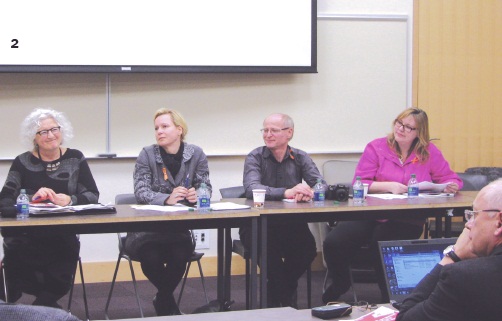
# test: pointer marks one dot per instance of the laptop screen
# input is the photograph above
(406, 262)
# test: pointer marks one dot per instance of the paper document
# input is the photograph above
(221, 206)
(37, 208)
(380, 314)
(388, 196)
(428, 186)
(161, 208)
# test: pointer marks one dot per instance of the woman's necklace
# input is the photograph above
(51, 166)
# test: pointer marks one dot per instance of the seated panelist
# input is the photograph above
(167, 173)
(43, 265)
(281, 169)
(386, 165)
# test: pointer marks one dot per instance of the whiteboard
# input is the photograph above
(360, 87)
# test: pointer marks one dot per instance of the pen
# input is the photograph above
(187, 180)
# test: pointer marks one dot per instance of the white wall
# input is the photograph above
(115, 176)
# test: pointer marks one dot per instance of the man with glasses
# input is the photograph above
(466, 284)
(281, 169)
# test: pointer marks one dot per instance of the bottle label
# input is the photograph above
(23, 209)
(413, 191)
(358, 194)
(319, 196)
(204, 202)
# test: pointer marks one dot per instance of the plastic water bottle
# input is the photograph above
(413, 186)
(319, 192)
(358, 196)
(203, 198)
(23, 205)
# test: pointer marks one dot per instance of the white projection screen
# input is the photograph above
(158, 36)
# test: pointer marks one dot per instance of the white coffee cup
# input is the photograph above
(366, 185)
(259, 198)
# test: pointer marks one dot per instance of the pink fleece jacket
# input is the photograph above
(380, 164)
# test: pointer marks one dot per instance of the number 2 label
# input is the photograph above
(15, 43)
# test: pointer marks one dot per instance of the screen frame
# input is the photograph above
(312, 68)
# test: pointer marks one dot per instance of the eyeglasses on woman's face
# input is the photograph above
(53, 130)
(471, 215)
(399, 124)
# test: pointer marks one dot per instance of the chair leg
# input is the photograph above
(113, 285)
(4, 276)
(184, 281)
(351, 277)
(83, 289)
(248, 277)
(135, 287)
(70, 298)
(309, 287)
(203, 280)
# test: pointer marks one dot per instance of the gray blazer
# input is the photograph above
(150, 185)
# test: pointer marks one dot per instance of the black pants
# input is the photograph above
(165, 264)
(291, 249)
(346, 238)
(42, 266)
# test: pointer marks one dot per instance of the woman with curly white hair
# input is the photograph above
(43, 265)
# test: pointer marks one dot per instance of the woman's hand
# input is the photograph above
(451, 188)
(46, 193)
(388, 187)
(191, 195)
(179, 193)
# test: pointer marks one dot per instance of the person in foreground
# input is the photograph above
(167, 173)
(279, 169)
(43, 265)
(465, 285)
(386, 165)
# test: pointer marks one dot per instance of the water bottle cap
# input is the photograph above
(23, 191)
(203, 185)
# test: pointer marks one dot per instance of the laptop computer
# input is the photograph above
(406, 262)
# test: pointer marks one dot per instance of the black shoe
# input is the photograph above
(165, 306)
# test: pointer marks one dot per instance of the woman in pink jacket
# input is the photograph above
(386, 165)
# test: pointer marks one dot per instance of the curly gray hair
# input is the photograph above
(31, 123)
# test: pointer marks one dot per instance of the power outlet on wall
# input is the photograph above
(201, 239)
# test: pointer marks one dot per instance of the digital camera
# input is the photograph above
(339, 192)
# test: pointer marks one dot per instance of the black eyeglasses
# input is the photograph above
(471, 215)
(53, 130)
(407, 128)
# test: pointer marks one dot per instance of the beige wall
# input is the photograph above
(458, 77)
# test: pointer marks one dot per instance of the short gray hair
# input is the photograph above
(31, 123)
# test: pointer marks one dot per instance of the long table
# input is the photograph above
(271, 314)
(373, 208)
(128, 219)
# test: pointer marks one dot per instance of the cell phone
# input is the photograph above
(332, 311)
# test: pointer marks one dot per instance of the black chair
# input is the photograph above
(472, 182)
(196, 257)
(238, 248)
(79, 266)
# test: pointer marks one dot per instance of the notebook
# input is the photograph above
(406, 262)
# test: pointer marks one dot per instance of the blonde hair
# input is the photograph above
(177, 119)
(421, 142)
